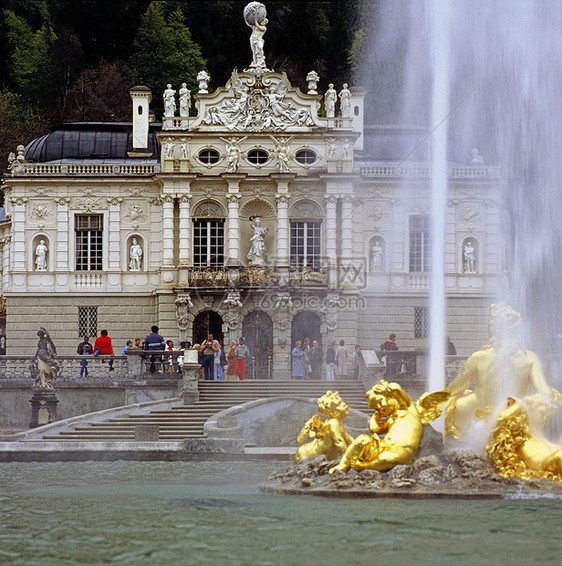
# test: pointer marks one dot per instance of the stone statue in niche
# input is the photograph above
(169, 102)
(168, 148)
(332, 148)
(41, 256)
(330, 99)
(345, 102)
(256, 255)
(476, 158)
(469, 258)
(185, 100)
(135, 256)
(376, 257)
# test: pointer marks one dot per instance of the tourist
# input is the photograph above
(297, 355)
(306, 359)
(231, 362)
(242, 353)
(330, 361)
(358, 362)
(137, 345)
(390, 344)
(316, 357)
(152, 343)
(128, 346)
(207, 350)
(342, 357)
(103, 347)
(451, 350)
(218, 363)
(183, 348)
(170, 348)
(84, 349)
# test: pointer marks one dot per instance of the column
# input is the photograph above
(331, 229)
(233, 243)
(114, 233)
(18, 231)
(283, 228)
(6, 263)
(167, 230)
(185, 230)
(62, 259)
(233, 235)
(347, 228)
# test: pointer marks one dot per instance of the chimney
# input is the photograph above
(141, 97)
(358, 113)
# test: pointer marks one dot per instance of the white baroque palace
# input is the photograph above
(256, 217)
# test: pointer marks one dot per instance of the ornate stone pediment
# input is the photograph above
(256, 102)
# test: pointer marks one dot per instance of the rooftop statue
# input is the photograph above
(400, 420)
(255, 17)
(169, 102)
(501, 369)
(185, 100)
(329, 436)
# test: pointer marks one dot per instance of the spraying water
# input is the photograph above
(484, 75)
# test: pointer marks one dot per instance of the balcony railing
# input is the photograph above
(86, 169)
(466, 172)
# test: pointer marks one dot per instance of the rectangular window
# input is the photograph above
(305, 244)
(420, 244)
(421, 322)
(89, 242)
(208, 243)
(87, 321)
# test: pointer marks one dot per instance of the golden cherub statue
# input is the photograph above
(516, 453)
(329, 436)
(399, 420)
(501, 369)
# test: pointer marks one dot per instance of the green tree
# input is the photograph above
(164, 52)
(186, 57)
(31, 59)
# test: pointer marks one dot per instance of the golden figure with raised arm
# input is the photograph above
(329, 436)
(400, 420)
(501, 369)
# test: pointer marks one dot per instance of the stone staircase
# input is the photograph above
(187, 421)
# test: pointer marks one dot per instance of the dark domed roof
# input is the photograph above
(88, 140)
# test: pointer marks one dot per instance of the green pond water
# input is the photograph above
(213, 513)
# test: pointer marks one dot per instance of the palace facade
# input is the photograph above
(267, 214)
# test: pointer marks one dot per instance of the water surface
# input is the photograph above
(213, 513)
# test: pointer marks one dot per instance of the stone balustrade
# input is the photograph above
(136, 365)
(466, 172)
(35, 169)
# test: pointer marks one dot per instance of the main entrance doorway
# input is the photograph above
(257, 329)
(306, 324)
(207, 322)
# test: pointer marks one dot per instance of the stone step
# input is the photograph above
(183, 421)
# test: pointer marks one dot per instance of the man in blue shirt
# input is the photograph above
(154, 342)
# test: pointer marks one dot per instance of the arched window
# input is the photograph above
(208, 235)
